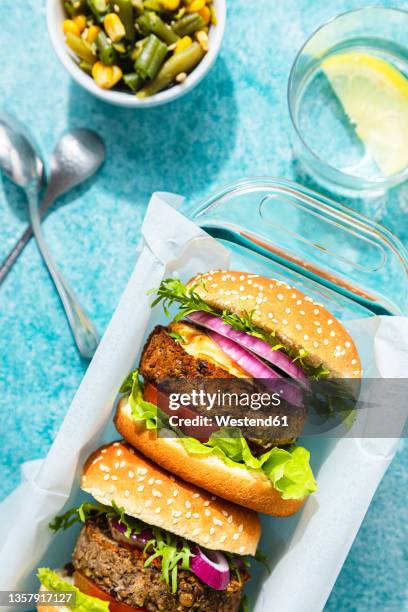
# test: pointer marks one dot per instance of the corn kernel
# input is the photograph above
(93, 32)
(205, 14)
(195, 6)
(182, 44)
(80, 21)
(202, 38)
(106, 77)
(170, 5)
(70, 27)
(213, 12)
(114, 28)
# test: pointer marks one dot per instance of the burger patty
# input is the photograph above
(119, 571)
(165, 358)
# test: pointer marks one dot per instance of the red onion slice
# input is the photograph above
(248, 362)
(138, 540)
(211, 567)
(251, 343)
(258, 369)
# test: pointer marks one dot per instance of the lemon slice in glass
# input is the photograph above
(374, 95)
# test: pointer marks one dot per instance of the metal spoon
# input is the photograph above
(22, 163)
(77, 156)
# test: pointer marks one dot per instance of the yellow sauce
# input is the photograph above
(199, 345)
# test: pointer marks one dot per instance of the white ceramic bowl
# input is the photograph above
(55, 18)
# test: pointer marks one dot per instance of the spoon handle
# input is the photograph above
(83, 331)
(15, 252)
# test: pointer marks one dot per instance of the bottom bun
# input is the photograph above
(244, 487)
(49, 607)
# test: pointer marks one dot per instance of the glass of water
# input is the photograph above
(348, 102)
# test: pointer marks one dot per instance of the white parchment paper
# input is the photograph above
(313, 543)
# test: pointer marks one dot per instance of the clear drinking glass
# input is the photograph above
(324, 139)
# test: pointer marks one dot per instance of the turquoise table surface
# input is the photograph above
(235, 123)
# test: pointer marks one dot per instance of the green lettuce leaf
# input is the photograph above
(288, 469)
(52, 581)
(290, 472)
(141, 410)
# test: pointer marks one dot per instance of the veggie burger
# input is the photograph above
(235, 324)
(152, 541)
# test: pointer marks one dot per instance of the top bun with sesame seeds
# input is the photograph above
(297, 321)
(148, 492)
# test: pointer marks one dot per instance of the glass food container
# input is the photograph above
(355, 266)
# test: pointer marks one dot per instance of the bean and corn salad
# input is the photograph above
(142, 46)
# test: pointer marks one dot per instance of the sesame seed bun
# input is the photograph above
(296, 319)
(148, 492)
(242, 486)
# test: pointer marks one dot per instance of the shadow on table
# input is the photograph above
(15, 198)
(181, 146)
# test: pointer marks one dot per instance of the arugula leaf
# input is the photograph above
(173, 291)
(315, 372)
(89, 510)
(78, 515)
(236, 563)
(167, 547)
(52, 581)
(170, 548)
(177, 337)
(262, 558)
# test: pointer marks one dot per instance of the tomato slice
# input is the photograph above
(158, 398)
(88, 587)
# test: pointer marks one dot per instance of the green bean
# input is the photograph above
(143, 54)
(127, 18)
(188, 24)
(139, 46)
(70, 9)
(133, 80)
(75, 7)
(107, 53)
(180, 13)
(151, 58)
(184, 61)
(150, 23)
(99, 8)
(153, 5)
(80, 48)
